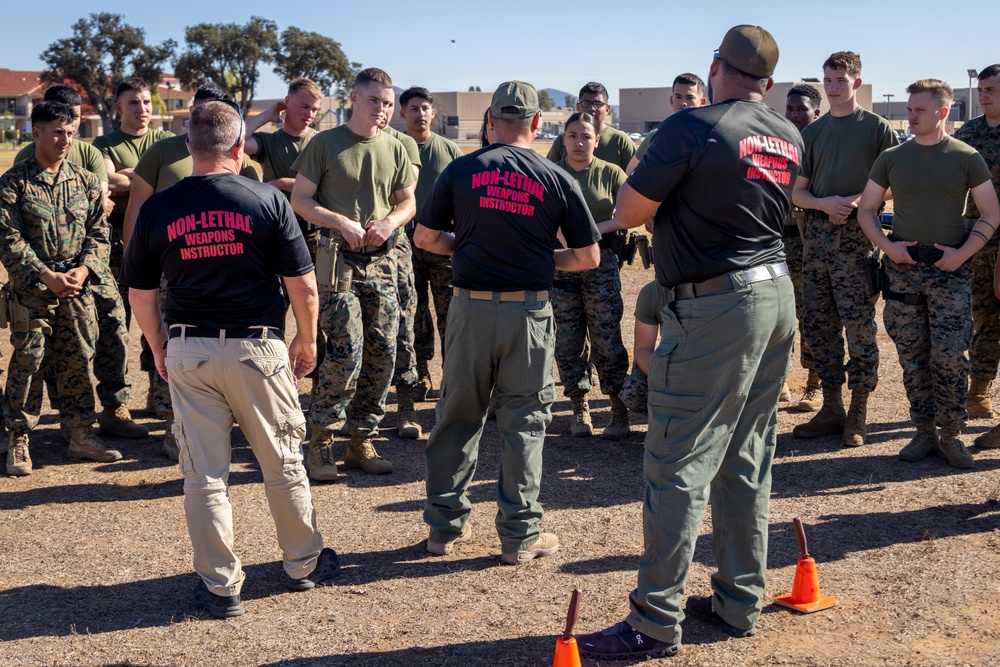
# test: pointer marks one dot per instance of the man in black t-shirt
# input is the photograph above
(497, 213)
(222, 242)
(725, 343)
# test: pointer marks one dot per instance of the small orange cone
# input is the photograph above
(567, 653)
(805, 595)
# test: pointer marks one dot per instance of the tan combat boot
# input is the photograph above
(989, 440)
(170, 448)
(812, 399)
(422, 390)
(978, 404)
(582, 426)
(856, 428)
(829, 420)
(785, 395)
(618, 427)
(924, 443)
(320, 463)
(406, 419)
(116, 422)
(361, 454)
(18, 459)
(84, 444)
(954, 449)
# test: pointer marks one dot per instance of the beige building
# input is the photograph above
(19, 92)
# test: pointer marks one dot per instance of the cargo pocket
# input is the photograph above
(289, 432)
(659, 362)
(669, 414)
(184, 457)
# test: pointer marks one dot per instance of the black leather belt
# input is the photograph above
(724, 283)
(178, 330)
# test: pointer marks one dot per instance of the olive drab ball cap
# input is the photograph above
(514, 100)
(750, 49)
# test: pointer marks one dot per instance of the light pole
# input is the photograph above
(888, 108)
(973, 75)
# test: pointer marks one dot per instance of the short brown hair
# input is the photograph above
(941, 91)
(372, 75)
(308, 85)
(845, 60)
(132, 83)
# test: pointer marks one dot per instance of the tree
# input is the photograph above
(544, 101)
(570, 101)
(102, 51)
(228, 54)
(311, 55)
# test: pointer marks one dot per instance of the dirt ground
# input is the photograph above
(95, 566)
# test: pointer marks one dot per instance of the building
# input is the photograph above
(19, 92)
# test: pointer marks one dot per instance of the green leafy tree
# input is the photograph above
(312, 55)
(570, 101)
(228, 54)
(544, 101)
(102, 51)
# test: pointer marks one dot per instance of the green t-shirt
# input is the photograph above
(124, 151)
(168, 161)
(652, 298)
(840, 152)
(80, 153)
(986, 140)
(277, 151)
(409, 143)
(644, 146)
(435, 154)
(600, 183)
(929, 186)
(355, 175)
(615, 147)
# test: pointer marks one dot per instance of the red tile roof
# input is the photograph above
(17, 82)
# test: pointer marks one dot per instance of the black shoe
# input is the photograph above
(622, 641)
(327, 567)
(701, 606)
(219, 606)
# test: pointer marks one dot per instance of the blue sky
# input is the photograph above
(622, 44)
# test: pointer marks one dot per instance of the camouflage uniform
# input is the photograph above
(47, 218)
(932, 339)
(837, 298)
(793, 257)
(406, 360)
(590, 312)
(635, 391)
(431, 274)
(361, 328)
(985, 352)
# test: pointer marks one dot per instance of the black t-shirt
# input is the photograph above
(507, 204)
(724, 174)
(221, 241)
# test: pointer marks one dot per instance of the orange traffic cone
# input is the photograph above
(805, 595)
(567, 653)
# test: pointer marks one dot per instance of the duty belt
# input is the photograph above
(724, 283)
(182, 330)
(521, 296)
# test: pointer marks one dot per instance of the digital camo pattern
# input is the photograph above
(836, 300)
(932, 339)
(588, 328)
(432, 282)
(406, 359)
(793, 257)
(635, 391)
(985, 353)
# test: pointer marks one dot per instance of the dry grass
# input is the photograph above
(96, 563)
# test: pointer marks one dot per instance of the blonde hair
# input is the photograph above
(308, 85)
(941, 91)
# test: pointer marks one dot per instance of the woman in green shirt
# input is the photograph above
(588, 305)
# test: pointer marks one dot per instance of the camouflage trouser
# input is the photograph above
(161, 390)
(932, 339)
(985, 352)
(111, 353)
(836, 298)
(431, 274)
(635, 391)
(588, 327)
(68, 337)
(793, 257)
(360, 354)
(406, 360)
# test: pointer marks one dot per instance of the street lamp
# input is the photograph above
(973, 75)
(888, 108)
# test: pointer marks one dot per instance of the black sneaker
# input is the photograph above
(622, 641)
(701, 606)
(219, 606)
(327, 567)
